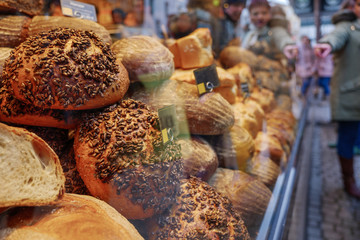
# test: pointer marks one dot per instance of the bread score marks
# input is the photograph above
(125, 141)
(200, 213)
(62, 68)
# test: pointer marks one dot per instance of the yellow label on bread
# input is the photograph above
(165, 136)
(201, 88)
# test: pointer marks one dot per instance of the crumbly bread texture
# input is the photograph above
(122, 159)
(13, 30)
(30, 171)
(200, 212)
(65, 69)
(249, 196)
(145, 58)
(193, 50)
(200, 159)
(29, 7)
(15, 111)
(73, 217)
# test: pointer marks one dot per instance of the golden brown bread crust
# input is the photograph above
(73, 217)
(269, 146)
(17, 112)
(30, 7)
(265, 169)
(200, 160)
(145, 58)
(13, 30)
(4, 54)
(41, 148)
(65, 69)
(246, 119)
(200, 212)
(123, 161)
(46, 23)
(249, 196)
(194, 50)
(232, 55)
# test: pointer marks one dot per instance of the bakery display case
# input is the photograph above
(141, 137)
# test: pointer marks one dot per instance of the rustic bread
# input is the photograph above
(265, 169)
(46, 23)
(243, 74)
(122, 159)
(232, 55)
(200, 212)
(246, 118)
(200, 160)
(249, 196)
(265, 98)
(145, 58)
(243, 144)
(13, 30)
(61, 141)
(30, 7)
(73, 217)
(269, 146)
(17, 112)
(30, 171)
(193, 50)
(65, 69)
(227, 89)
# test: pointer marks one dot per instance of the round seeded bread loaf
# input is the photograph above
(145, 58)
(73, 217)
(66, 69)
(122, 159)
(15, 111)
(200, 212)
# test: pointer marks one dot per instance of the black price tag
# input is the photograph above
(168, 123)
(245, 90)
(206, 79)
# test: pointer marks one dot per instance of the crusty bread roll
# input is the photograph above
(243, 144)
(46, 23)
(209, 114)
(65, 69)
(227, 89)
(200, 212)
(249, 196)
(200, 160)
(73, 217)
(246, 118)
(17, 112)
(243, 74)
(193, 50)
(30, 171)
(30, 7)
(269, 146)
(122, 159)
(145, 58)
(265, 98)
(232, 55)
(265, 169)
(13, 30)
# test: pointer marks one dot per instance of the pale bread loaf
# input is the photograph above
(30, 171)
(13, 30)
(73, 217)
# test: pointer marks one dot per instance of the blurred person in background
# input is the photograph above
(344, 44)
(305, 63)
(324, 69)
(277, 38)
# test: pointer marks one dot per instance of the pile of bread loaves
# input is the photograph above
(81, 150)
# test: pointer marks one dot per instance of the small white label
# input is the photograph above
(78, 10)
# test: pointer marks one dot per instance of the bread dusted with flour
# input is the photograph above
(123, 161)
(73, 217)
(200, 212)
(30, 171)
(145, 58)
(65, 69)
